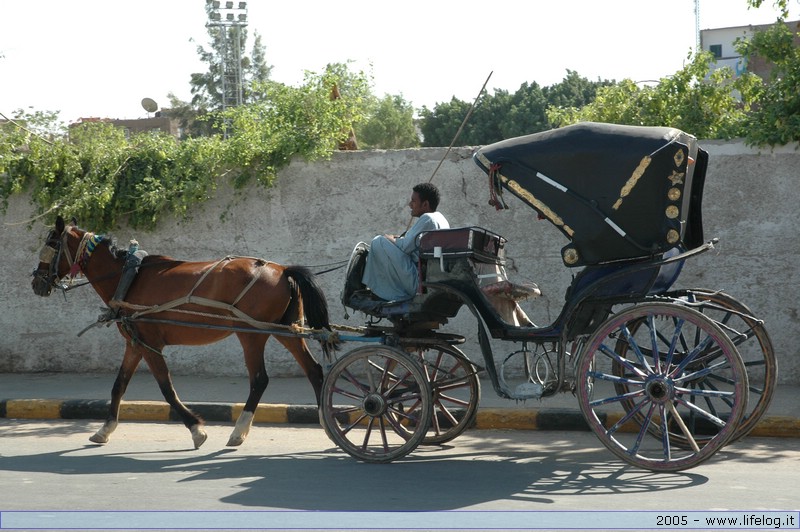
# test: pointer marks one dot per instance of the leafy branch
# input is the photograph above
(106, 179)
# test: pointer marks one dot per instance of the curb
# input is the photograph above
(487, 418)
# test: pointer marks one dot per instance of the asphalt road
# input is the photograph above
(50, 466)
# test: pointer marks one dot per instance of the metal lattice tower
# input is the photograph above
(230, 18)
(697, 43)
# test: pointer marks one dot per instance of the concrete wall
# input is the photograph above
(318, 211)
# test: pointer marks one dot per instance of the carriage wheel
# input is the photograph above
(455, 388)
(376, 404)
(662, 366)
(753, 343)
(751, 340)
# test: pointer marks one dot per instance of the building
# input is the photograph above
(160, 122)
(721, 41)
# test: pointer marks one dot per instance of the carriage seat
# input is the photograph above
(472, 242)
(484, 251)
(479, 260)
(435, 307)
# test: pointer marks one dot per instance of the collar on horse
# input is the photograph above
(85, 250)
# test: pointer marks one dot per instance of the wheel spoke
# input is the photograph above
(660, 368)
(376, 403)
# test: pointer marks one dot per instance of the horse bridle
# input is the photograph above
(55, 246)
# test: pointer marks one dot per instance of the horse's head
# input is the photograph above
(55, 259)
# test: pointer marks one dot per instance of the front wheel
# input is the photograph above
(455, 388)
(664, 348)
(376, 404)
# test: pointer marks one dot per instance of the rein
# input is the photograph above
(336, 266)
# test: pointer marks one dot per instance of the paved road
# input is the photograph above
(85, 396)
(51, 465)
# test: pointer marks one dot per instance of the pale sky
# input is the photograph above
(100, 58)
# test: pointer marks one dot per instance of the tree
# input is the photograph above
(694, 99)
(390, 125)
(574, 90)
(781, 5)
(775, 118)
(206, 87)
(504, 115)
(439, 125)
(526, 113)
(285, 121)
(107, 179)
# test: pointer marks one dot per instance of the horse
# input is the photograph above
(244, 294)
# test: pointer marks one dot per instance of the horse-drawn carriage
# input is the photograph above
(657, 373)
(664, 377)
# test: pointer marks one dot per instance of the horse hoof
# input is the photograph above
(98, 438)
(199, 437)
(235, 442)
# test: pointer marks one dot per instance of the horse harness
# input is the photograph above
(55, 247)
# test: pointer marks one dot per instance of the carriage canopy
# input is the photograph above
(616, 192)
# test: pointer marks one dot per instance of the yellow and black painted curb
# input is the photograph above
(488, 418)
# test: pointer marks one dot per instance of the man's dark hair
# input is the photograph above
(428, 192)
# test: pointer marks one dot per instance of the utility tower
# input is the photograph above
(230, 18)
(697, 42)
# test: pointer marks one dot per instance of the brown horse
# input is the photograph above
(200, 303)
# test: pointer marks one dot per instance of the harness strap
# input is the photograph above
(190, 298)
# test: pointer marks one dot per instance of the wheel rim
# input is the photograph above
(376, 404)
(753, 344)
(455, 391)
(654, 394)
(752, 341)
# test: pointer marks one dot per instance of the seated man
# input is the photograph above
(391, 270)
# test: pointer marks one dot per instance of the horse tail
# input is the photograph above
(314, 303)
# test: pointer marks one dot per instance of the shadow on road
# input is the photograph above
(482, 470)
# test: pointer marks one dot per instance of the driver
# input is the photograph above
(391, 271)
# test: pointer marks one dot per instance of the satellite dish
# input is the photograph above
(149, 105)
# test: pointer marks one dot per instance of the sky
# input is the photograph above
(100, 58)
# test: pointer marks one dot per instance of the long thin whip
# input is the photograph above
(455, 138)
(461, 127)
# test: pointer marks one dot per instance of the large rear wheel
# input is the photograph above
(664, 349)
(750, 337)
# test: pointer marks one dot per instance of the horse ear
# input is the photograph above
(73, 221)
(59, 225)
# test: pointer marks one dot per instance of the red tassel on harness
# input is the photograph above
(494, 200)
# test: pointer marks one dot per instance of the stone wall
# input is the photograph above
(317, 212)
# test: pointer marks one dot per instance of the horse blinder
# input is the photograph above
(46, 273)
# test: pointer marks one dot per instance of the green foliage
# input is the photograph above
(503, 115)
(776, 117)
(206, 87)
(285, 121)
(693, 99)
(104, 179)
(390, 125)
(780, 5)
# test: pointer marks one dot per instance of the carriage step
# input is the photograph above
(528, 390)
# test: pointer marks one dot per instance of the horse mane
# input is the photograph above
(116, 251)
(120, 252)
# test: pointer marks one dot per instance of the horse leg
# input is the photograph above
(130, 361)
(253, 347)
(298, 347)
(158, 367)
